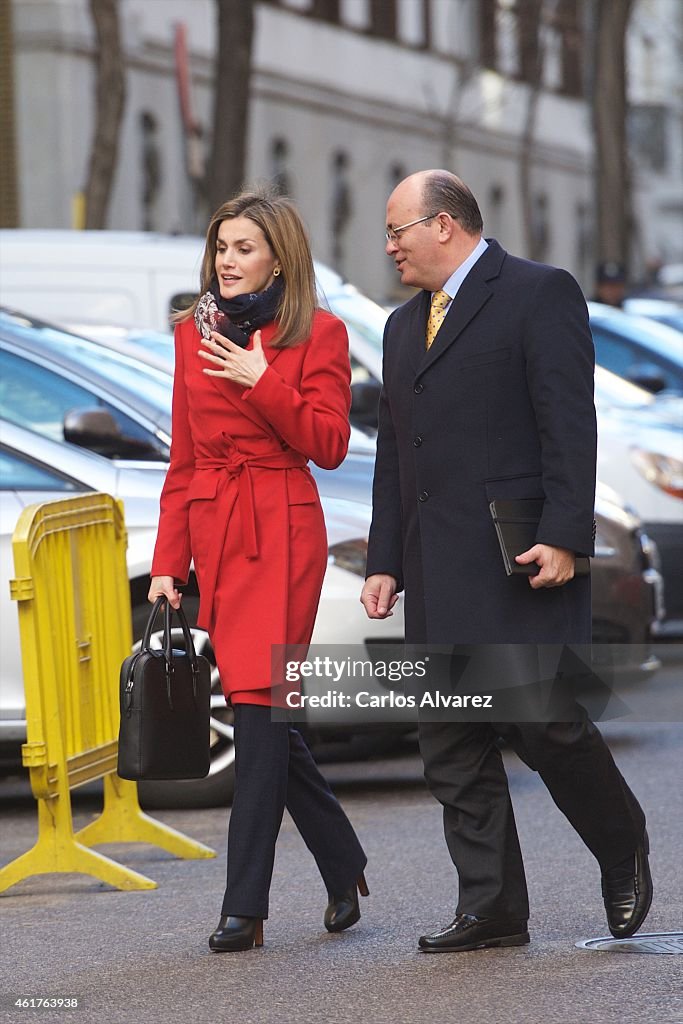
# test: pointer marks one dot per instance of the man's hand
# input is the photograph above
(557, 565)
(379, 596)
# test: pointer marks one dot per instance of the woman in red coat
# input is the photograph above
(261, 386)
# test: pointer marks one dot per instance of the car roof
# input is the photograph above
(665, 341)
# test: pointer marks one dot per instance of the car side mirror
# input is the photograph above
(364, 402)
(97, 430)
(648, 376)
(181, 300)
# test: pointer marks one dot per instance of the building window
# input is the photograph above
(496, 204)
(540, 228)
(525, 39)
(413, 23)
(647, 135)
(355, 14)
(279, 172)
(150, 171)
(397, 172)
(341, 207)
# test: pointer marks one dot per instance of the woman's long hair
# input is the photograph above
(281, 223)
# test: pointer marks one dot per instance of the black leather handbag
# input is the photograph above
(165, 698)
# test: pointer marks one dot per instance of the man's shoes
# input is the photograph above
(470, 932)
(627, 892)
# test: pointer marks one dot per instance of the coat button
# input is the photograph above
(418, 389)
(417, 441)
(423, 496)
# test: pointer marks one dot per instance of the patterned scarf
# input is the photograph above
(237, 318)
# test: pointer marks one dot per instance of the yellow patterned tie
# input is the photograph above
(437, 314)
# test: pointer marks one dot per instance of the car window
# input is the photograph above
(622, 357)
(19, 473)
(141, 380)
(613, 352)
(38, 399)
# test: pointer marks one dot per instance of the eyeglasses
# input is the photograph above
(391, 234)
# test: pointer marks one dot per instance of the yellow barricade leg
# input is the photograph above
(123, 821)
(58, 850)
(73, 599)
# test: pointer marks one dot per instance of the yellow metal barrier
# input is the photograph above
(75, 625)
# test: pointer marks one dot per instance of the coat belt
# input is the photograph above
(238, 465)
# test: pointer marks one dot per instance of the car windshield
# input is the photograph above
(141, 380)
(360, 314)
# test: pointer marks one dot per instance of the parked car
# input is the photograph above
(35, 468)
(640, 455)
(642, 351)
(662, 310)
(68, 387)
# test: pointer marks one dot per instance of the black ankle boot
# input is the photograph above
(235, 934)
(343, 911)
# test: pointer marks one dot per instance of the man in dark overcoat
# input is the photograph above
(488, 395)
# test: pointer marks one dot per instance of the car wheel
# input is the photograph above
(217, 788)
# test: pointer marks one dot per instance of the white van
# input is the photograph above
(135, 279)
(122, 278)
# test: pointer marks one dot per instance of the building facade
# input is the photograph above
(347, 97)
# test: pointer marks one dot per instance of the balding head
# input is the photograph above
(438, 190)
(440, 204)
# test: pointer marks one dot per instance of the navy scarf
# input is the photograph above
(237, 318)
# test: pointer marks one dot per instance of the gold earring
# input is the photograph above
(276, 272)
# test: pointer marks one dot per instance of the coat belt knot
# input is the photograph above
(235, 464)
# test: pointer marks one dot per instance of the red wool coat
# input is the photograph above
(240, 500)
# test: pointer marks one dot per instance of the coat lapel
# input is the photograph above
(474, 292)
(416, 329)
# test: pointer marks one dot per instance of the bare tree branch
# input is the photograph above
(231, 99)
(612, 177)
(110, 100)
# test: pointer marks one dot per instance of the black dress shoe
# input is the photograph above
(627, 892)
(343, 911)
(235, 934)
(470, 932)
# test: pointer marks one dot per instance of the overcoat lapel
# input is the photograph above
(474, 292)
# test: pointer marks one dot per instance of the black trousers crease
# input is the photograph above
(465, 772)
(274, 769)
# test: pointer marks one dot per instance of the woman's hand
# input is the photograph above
(241, 365)
(164, 586)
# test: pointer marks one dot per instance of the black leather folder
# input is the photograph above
(516, 521)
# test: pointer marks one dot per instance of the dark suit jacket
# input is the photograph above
(501, 406)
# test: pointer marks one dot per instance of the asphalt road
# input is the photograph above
(143, 957)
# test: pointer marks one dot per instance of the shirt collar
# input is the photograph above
(458, 276)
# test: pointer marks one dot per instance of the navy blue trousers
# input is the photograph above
(274, 769)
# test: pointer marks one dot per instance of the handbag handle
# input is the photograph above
(168, 642)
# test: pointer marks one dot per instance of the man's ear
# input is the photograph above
(446, 227)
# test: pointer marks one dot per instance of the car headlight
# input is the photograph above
(351, 555)
(664, 471)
